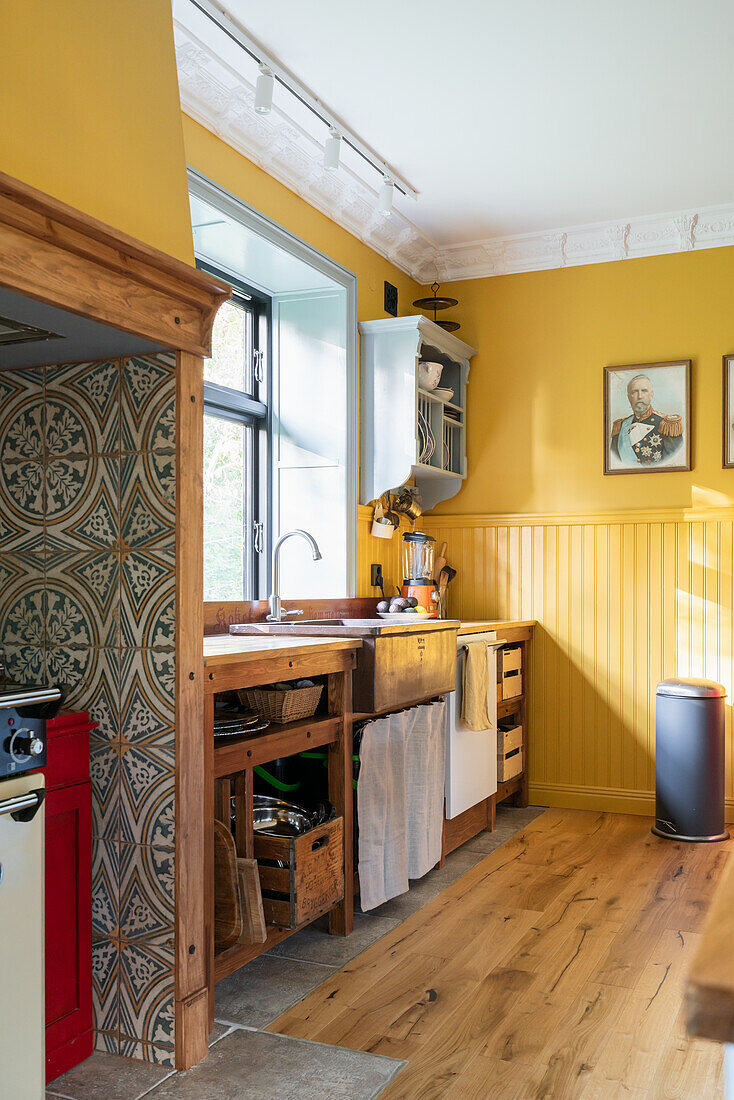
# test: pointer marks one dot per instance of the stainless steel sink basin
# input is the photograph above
(349, 628)
(399, 662)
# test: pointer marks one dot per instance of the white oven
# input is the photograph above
(471, 755)
(22, 1059)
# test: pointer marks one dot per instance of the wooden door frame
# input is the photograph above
(57, 255)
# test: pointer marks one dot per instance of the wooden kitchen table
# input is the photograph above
(232, 663)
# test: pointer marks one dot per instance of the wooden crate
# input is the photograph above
(312, 880)
(510, 675)
(509, 765)
(508, 738)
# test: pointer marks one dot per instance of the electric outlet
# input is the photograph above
(376, 576)
(391, 299)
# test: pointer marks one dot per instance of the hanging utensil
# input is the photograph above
(438, 302)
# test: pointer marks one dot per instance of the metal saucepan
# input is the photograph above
(277, 818)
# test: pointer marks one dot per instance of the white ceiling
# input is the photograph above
(518, 118)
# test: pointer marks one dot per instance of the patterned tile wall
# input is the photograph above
(87, 591)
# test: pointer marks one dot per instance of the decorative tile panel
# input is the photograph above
(145, 712)
(147, 991)
(105, 888)
(105, 986)
(87, 601)
(104, 768)
(23, 609)
(147, 892)
(21, 430)
(148, 1052)
(148, 605)
(22, 493)
(148, 501)
(26, 664)
(84, 599)
(149, 403)
(147, 790)
(90, 521)
(83, 408)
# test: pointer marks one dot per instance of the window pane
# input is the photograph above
(227, 504)
(231, 361)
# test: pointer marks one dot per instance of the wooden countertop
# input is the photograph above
(495, 624)
(709, 994)
(229, 649)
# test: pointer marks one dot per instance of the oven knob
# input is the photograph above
(27, 746)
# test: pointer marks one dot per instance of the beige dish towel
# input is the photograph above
(475, 689)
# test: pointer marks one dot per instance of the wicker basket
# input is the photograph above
(281, 705)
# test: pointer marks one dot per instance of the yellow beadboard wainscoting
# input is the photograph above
(622, 600)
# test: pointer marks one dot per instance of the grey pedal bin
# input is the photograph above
(689, 760)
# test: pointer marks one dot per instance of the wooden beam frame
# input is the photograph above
(57, 255)
(191, 971)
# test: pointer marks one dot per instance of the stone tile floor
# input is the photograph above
(246, 1062)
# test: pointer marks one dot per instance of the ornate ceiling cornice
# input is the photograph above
(221, 99)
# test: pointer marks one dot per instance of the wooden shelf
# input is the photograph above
(510, 706)
(512, 786)
(284, 740)
(232, 958)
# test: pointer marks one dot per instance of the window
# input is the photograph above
(280, 452)
(236, 446)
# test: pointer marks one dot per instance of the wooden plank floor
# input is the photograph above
(552, 970)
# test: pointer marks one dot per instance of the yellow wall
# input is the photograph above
(223, 164)
(535, 389)
(629, 578)
(90, 112)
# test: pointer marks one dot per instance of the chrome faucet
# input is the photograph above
(277, 614)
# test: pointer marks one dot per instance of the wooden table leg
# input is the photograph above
(341, 917)
(492, 812)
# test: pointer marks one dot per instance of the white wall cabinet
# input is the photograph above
(408, 432)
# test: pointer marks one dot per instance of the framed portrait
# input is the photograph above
(647, 418)
(728, 415)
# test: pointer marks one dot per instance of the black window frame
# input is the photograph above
(254, 409)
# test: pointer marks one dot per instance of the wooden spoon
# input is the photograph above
(440, 562)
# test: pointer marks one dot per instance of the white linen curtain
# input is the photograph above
(400, 794)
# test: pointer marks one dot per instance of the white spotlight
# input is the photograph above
(332, 148)
(264, 91)
(384, 206)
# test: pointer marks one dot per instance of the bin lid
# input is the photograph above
(691, 689)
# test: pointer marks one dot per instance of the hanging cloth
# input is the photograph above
(400, 794)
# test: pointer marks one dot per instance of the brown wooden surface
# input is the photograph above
(457, 830)
(555, 968)
(227, 901)
(254, 930)
(710, 986)
(233, 756)
(55, 254)
(241, 649)
(341, 918)
(313, 875)
(514, 630)
(334, 729)
(218, 617)
(509, 788)
(191, 934)
(268, 670)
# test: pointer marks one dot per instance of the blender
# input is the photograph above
(418, 570)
